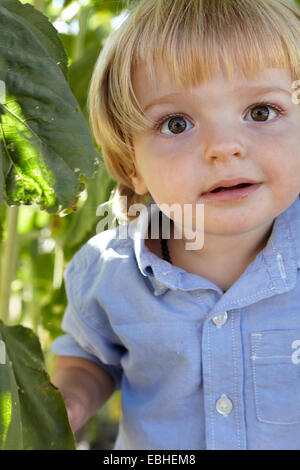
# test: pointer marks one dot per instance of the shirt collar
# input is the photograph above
(292, 216)
(274, 269)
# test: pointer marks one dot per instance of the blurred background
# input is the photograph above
(44, 243)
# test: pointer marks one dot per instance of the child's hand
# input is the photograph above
(85, 387)
(77, 412)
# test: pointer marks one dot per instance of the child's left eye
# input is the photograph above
(260, 112)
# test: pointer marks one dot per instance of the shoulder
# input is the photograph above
(104, 249)
(96, 274)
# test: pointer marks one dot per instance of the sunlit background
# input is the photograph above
(45, 243)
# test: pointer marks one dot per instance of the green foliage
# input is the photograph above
(83, 223)
(49, 166)
(45, 142)
(33, 22)
(32, 411)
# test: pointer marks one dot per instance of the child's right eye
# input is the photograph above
(174, 123)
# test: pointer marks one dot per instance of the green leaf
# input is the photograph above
(44, 138)
(10, 414)
(32, 411)
(1, 180)
(42, 29)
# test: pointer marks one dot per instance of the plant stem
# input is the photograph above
(8, 262)
(58, 265)
(83, 15)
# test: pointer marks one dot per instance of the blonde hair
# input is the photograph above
(193, 39)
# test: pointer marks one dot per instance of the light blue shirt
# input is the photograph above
(198, 368)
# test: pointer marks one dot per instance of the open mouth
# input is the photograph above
(238, 186)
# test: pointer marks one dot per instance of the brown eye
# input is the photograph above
(260, 113)
(173, 124)
(177, 125)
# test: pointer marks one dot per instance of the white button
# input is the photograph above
(224, 405)
(219, 320)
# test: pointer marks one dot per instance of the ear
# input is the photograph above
(138, 183)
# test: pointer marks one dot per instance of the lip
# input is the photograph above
(231, 182)
(231, 195)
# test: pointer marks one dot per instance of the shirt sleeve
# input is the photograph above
(89, 332)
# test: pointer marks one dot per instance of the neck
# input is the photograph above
(223, 258)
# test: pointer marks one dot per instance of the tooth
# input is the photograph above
(221, 188)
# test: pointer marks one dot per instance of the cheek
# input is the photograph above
(159, 162)
(281, 162)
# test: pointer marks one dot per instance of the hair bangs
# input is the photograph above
(193, 40)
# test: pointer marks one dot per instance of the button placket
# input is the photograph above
(222, 359)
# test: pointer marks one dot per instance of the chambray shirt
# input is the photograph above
(198, 368)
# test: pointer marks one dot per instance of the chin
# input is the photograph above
(229, 228)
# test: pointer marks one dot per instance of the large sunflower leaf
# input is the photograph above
(32, 411)
(45, 141)
(10, 414)
(43, 30)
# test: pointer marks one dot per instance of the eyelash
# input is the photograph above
(160, 121)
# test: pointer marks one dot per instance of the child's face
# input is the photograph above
(221, 133)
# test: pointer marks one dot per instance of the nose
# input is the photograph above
(223, 151)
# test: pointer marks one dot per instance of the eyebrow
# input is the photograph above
(167, 99)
